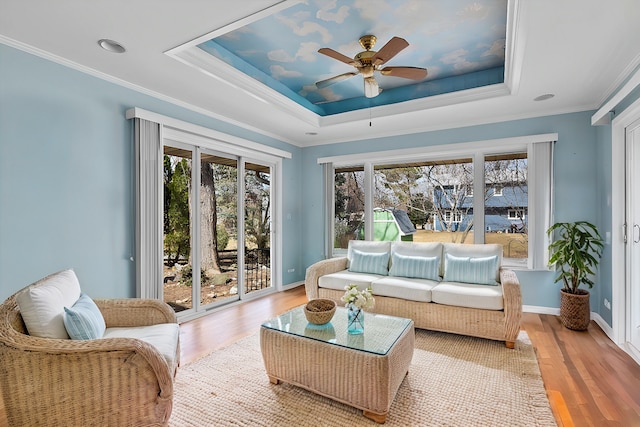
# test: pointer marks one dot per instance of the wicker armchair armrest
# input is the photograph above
(128, 312)
(320, 268)
(130, 374)
(512, 302)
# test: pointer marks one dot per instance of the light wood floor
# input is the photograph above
(589, 380)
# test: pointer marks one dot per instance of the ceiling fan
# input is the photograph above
(368, 61)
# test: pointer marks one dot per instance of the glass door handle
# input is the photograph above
(636, 226)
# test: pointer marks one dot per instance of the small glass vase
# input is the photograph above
(355, 320)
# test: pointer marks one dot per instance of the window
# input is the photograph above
(451, 216)
(348, 206)
(434, 187)
(516, 214)
(507, 196)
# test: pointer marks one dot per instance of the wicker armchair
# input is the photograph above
(64, 382)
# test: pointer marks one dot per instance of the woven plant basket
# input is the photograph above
(575, 312)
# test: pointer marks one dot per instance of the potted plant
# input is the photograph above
(575, 254)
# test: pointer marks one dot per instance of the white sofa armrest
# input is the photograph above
(320, 268)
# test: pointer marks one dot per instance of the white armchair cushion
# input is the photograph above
(42, 306)
(163, 336)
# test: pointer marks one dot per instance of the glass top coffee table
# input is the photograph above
(363, 371)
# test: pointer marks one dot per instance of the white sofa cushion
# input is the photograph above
(42, 306)
(344, 278)
(163, 336)
(468, 295)
(404, 288)
(425, 249)
(473, 251)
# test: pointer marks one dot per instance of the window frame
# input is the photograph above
(477, 151)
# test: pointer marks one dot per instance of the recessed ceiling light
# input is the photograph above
(544, 97)
(111, 46)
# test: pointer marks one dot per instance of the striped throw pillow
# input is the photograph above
(369, 262)
(481, 271)
(84, 320)
(414, 266)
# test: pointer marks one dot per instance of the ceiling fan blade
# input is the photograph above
(414, 73)
(337, 55)
(389, 50)
(371, 88)
(335, 79)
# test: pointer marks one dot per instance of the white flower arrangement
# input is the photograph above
(360, 299)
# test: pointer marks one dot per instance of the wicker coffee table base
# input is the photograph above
(357, 378)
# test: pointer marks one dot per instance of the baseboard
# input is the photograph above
(540, 310)
(603, 325)
(608, 330)
(556, 312)
(292, 285)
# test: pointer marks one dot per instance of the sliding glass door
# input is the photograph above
(257, 227)
(210, 256)
(177, 228)
(218, 229)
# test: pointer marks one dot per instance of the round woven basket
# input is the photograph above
(320, 311)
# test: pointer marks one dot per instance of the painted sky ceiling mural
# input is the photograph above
(461, 44)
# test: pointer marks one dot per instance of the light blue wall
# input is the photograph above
(66, 176)
(576, 180)
(603, 190)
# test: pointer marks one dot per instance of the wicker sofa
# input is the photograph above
(115, 381)
(490, 310)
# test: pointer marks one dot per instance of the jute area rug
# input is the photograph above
(453, 381)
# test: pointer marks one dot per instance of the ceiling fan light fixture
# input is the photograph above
(369, 61)
(111, 46)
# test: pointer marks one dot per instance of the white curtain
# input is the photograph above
(149, 209)
(540, 202)
(328, 208)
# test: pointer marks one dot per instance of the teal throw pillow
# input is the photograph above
(369, 262)
(415, 266)
(84, 320)
(481, 271)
